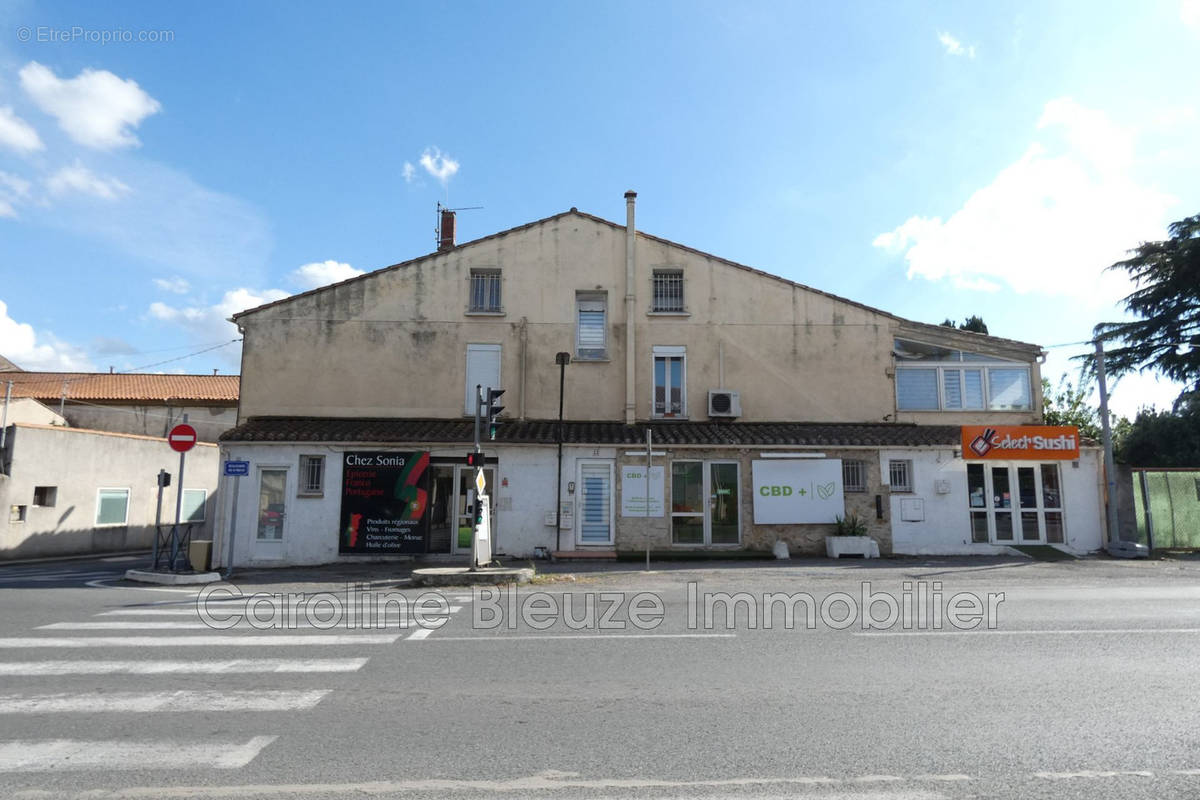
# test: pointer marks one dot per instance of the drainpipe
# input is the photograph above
(524, 353)
(630, 303)
(4, 422)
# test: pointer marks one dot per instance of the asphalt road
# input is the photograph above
(1085, 687)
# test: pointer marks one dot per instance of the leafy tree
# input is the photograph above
(972, 323)
(1161, 438)
(1068, 405)
(1166, 337)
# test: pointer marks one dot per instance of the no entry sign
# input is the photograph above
(182, 438)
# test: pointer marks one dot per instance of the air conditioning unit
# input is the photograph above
(722, 403)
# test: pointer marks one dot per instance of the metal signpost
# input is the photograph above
(181, 439)
(235, 470)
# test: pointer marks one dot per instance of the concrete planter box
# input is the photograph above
(837, 546)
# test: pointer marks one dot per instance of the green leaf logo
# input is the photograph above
(826, 490)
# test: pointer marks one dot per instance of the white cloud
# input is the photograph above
(79, 179)
(1049, 222)
(323, 273)
(210, 323)
(173, 224)
(12, 190)
(1189, 14)
(17, 134)
(175, 285)
(954, 47)
(409, 172)
(96, 108)
(29, 350)
(438, 165)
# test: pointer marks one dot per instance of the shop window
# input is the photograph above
(112, 506)
(591, 331)
(854, 475)
(193, 505)
(485, 292)
(45, 496)
(312, 475)
(900, 475)
(16, 513)
(668, 291)
(670, 379)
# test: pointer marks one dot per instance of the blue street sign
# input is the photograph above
(237, 468)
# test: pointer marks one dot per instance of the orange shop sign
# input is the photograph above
(1032, 442)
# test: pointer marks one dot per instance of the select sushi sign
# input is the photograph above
(384, 496)
(1020, 442)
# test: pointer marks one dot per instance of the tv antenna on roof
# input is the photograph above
(445, 228)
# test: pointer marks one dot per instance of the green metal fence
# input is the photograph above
(1167, 505)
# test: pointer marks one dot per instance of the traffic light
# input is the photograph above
(493, 411)
(475, 460)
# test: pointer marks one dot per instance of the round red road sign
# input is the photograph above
(182, 438)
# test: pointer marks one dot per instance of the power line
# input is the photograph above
(180, 358)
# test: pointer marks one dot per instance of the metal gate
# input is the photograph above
(1167, 507)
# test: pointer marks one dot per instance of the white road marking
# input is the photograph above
(1034, 632)
(421, 633)
(501, 637)
(232, 640)
(148, 702)
(242, 625)
(55, 576)
(1093, 774)
(232, 665)
(65, 754)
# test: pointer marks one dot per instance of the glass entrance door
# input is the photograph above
(705, 503)
(1015, 504)
(272, 513)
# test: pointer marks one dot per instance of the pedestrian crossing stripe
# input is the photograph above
(219, 667)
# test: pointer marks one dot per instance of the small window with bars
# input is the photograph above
(312, 475)
(900, 475)
(668, 290)
(485, 292)
(854, 475)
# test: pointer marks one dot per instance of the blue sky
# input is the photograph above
(932, 159)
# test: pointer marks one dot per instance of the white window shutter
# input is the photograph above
(483, 369)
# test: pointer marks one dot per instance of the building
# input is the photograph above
(80, 455)
(146, 405)
(773, 407)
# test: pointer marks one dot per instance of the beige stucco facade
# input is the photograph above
(393, 343)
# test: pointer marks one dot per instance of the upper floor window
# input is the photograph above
(483, 370)
(485, 292)
(591, 330)
(670, 381)
(933, 378)
(668, 290)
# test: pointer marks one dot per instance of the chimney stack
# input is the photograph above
(445, 230)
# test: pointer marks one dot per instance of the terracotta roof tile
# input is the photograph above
(731, 434)
(116, 387)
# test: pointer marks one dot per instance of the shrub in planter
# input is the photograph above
(850, 525)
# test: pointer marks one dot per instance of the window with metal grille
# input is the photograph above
(485, 291)
(312, 474)
(668, 290)
(900, 475)
(591, 335)
(854, 475)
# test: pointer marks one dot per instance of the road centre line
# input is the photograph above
(231, 665)
(555, 636)
(1031, 632)
(235, 640)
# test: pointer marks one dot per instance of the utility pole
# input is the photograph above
(1110, 477)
